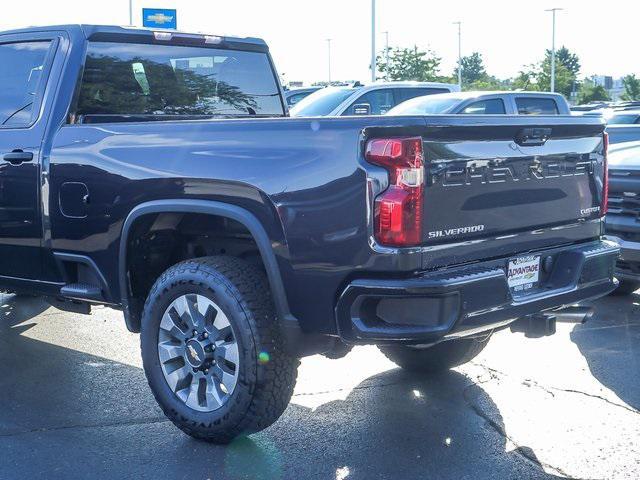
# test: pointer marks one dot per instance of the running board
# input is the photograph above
(82, 291)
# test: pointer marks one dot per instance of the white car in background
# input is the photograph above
(372, 99)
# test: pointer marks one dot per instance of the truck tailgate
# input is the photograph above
(485, 179)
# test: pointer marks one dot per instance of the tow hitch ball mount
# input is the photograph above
(544, 324)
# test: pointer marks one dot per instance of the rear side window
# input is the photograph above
(167, 80)
(404, 94)
(536, 106)
(20, 78)
(494, 106)
(379, 101)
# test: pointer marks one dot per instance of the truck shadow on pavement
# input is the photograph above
(69, 414)
(610, 343)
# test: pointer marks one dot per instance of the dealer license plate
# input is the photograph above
(523, 273)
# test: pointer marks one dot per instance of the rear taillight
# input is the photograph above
(398, 210)
(605, 177)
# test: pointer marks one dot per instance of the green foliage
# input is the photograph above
(472, 69)
(590, 92)
(565, 79)
(631, 88)
(489, 83)
(569, 60)
(409, 64)
(526, 80)
(537, 77)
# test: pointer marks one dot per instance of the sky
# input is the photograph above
(508, 33)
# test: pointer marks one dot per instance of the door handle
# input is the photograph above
(18, 156)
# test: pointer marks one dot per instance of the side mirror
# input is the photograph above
(362, 109)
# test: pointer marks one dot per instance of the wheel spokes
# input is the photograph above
(172, 324)
(225, 376)
(196, 322)
(179, 378)
(228, 352)
(168, 351)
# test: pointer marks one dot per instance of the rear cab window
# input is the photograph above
(492, 106)
(22, 83)
(536, 106)
(156, 81)
(380, 102)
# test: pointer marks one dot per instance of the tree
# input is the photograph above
(489, 83)
(565, 79)
(537, 77)
(472, 69)
(526, 80)
(590, 92)
(631, 88)
(571, 61)
(410, 64)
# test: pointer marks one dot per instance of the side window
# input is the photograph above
(494, 106)
(379, 101)
(405, 94)
(20, 79)
(536, 106)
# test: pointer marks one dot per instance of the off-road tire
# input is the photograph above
(267, 374)
(440, 357)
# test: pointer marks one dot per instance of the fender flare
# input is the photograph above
(207, 207)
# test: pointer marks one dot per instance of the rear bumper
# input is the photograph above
(628, 265)
(467, 300)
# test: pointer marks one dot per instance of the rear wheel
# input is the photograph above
(211, 349)
(439, 357)
(627, 287)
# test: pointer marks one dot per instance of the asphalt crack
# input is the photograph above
(520, 450)
(551, 389)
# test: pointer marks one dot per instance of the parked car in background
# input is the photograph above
(631, 105)
(622, 223)
(485, 103)
(358, 99)
(624, 117)
(621, 133)
(294, 95)
(589, 107)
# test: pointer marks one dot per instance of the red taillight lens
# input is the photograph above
(605, 177)
(398, 210)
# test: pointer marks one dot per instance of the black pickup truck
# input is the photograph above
(158, 173)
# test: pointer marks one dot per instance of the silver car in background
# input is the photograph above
(372, 99)
(486, 103)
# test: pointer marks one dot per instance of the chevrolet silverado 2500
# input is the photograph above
(158, 173)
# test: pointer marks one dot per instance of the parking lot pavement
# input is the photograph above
(75, 404)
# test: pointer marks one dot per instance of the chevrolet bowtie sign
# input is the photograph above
(159, 18)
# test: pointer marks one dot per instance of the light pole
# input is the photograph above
(329, 58)
(130, 12)
(373, 40)
(459, 53)
(553, 47)
(386, 54)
